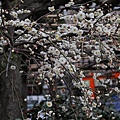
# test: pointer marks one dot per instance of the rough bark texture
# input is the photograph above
(10, 94)
(10, 83)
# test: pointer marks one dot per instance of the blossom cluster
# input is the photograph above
(92, 36)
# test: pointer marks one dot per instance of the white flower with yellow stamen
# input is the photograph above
(51, 9)
(97, 53)
(84, 108)
(12, 67)
(74, 29)
(94, 105)
(57, 52)
(51, 49)
(14, 14)
(80, 32)
(62, 60)
(99, 29)
(49, 104)
(81, 15)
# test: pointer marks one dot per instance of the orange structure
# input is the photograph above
(90, 82)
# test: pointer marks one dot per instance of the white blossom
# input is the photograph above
(1, 49)
(51, 49)
(13, 67)
(84, 108)
(62, 60)
(14, 14)
(97, 53)
(98, 60)
(81, 15)
(19, 32)
(49, 103)
(51, 9)
(90, 15)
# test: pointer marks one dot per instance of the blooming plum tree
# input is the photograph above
(64, 54)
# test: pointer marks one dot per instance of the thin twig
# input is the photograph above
(8, 61)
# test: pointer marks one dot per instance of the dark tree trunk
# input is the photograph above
(10, 93)
(10, 82)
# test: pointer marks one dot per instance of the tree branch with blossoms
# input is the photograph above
(86, 44)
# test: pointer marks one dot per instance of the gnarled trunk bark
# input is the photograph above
(10, 93)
